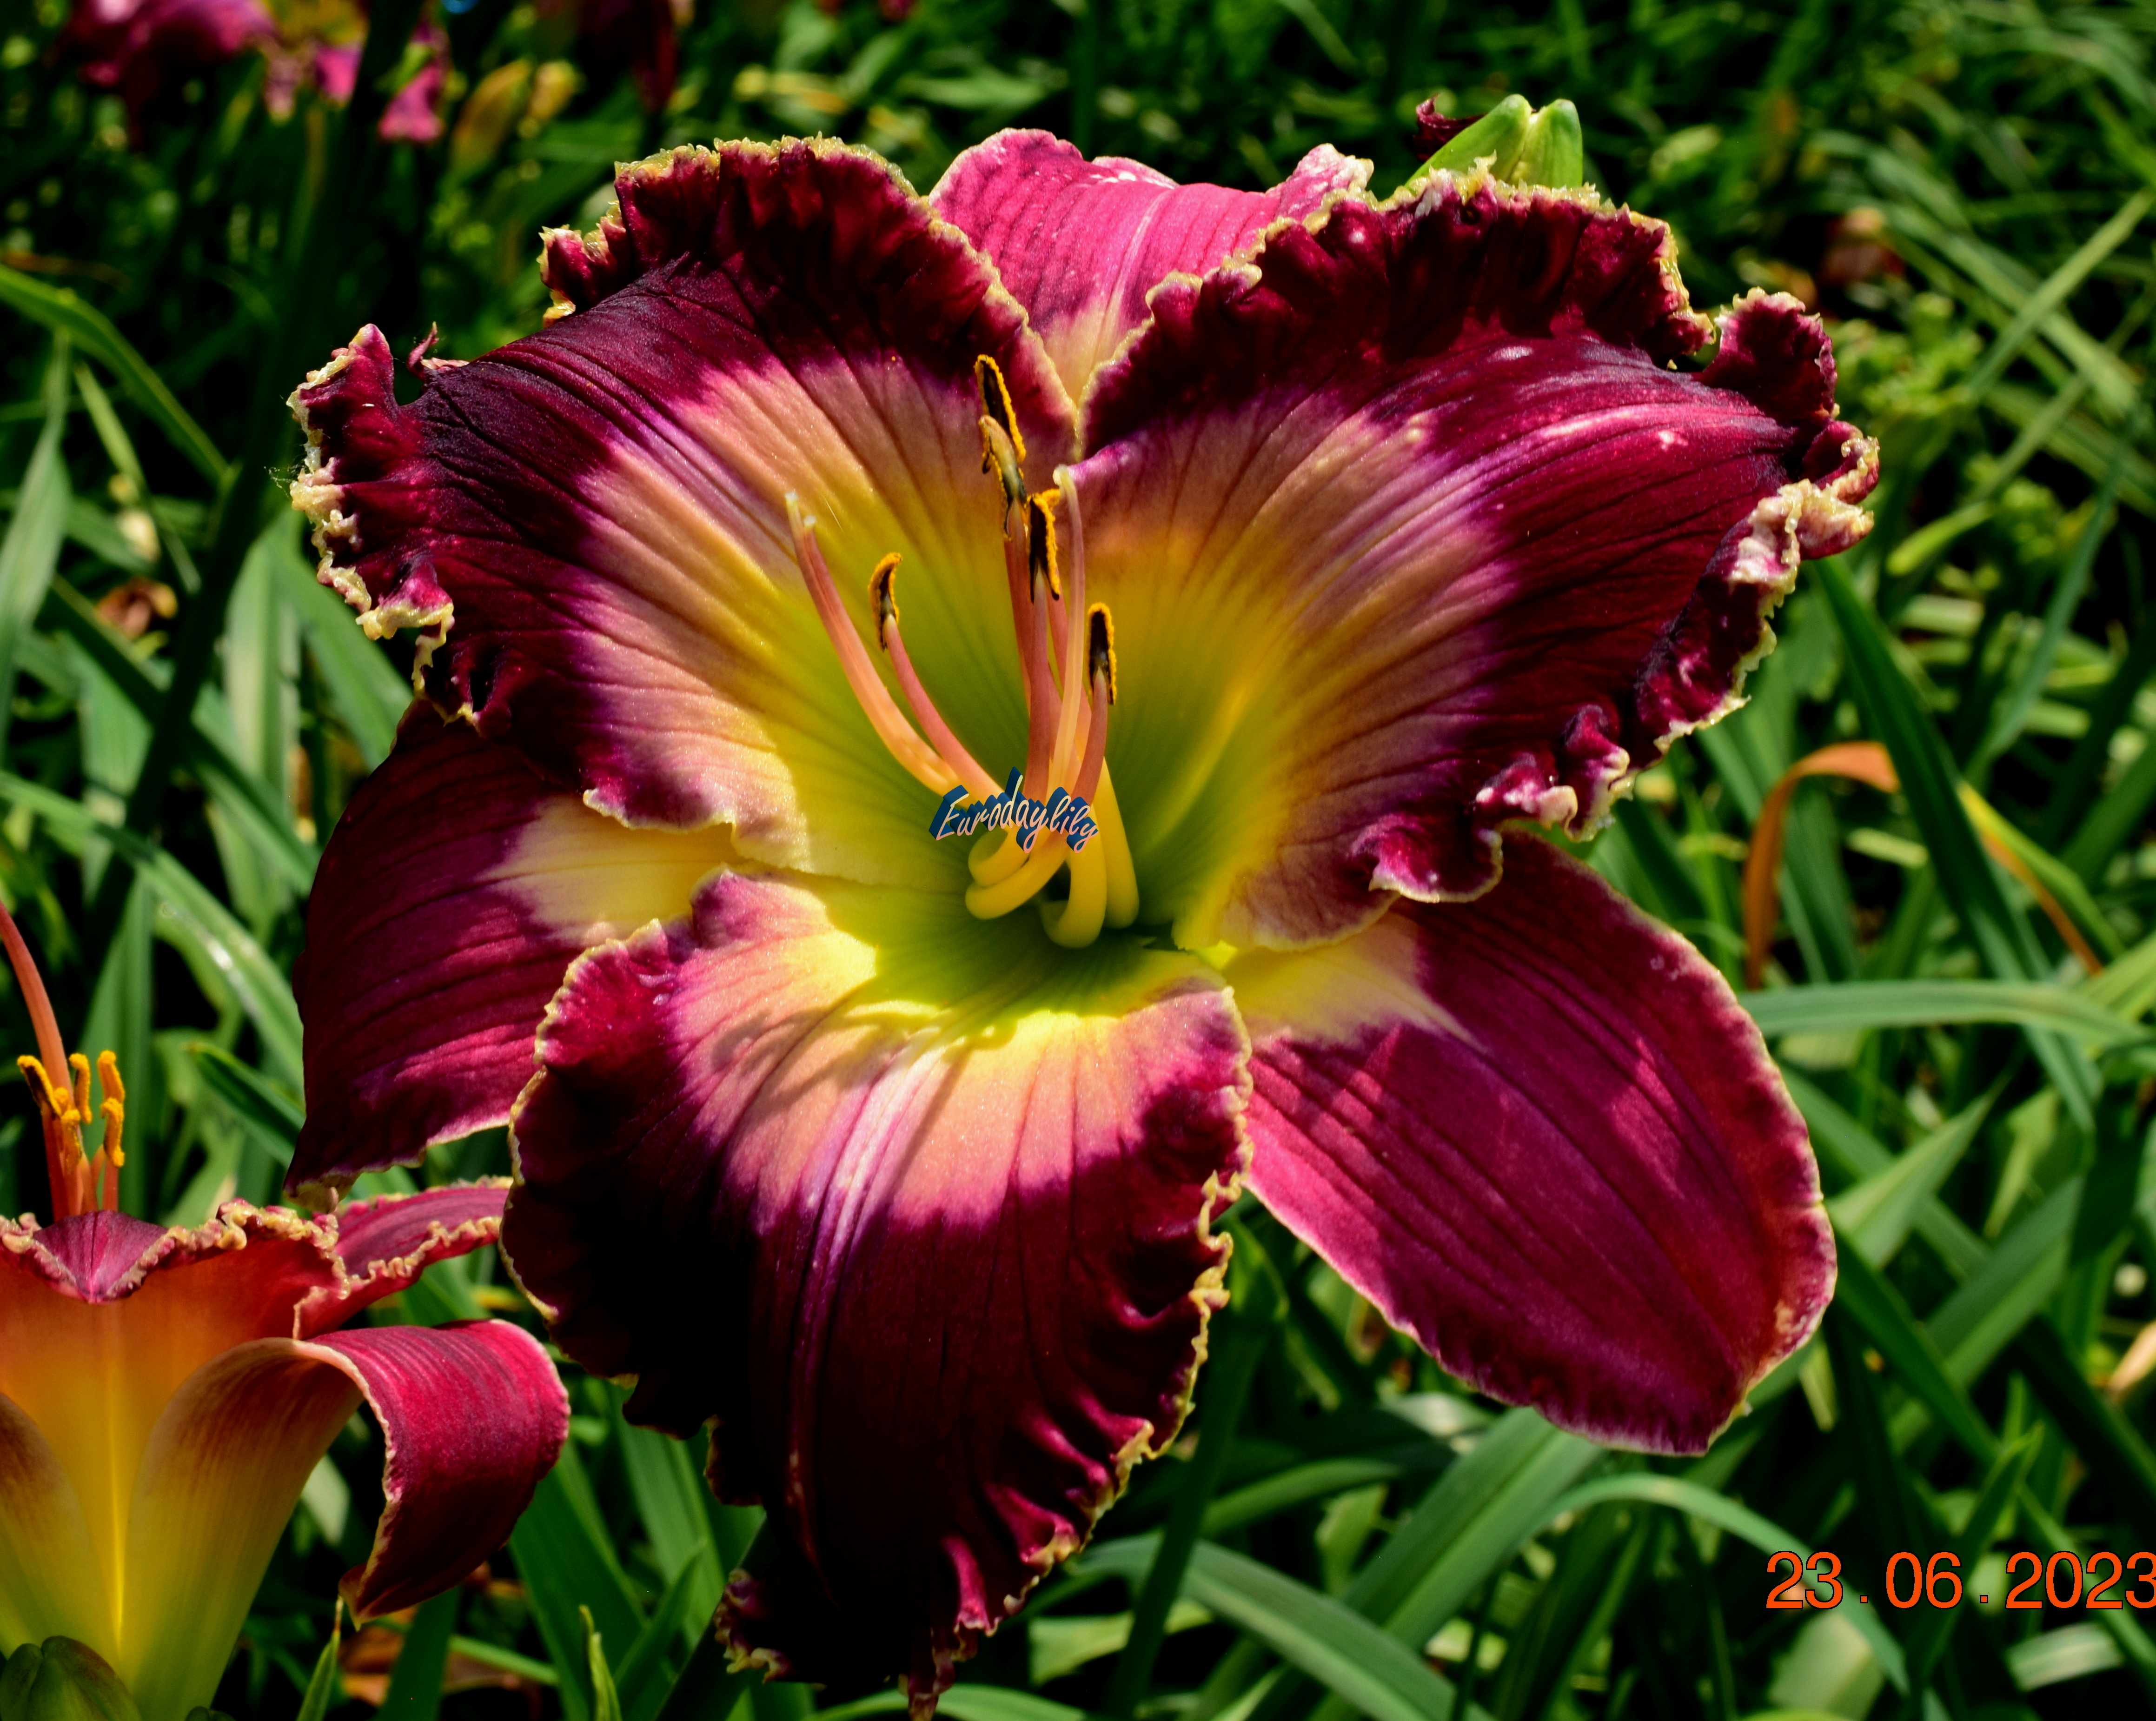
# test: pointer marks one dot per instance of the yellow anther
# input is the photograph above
(1101, 647)
(883, 599)
(80, 1065)
(1040, 543)
(999, 456)
(114, 1111)
(58, 1102)
(996, 403)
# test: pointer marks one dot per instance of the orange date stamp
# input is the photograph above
(2066, 1579)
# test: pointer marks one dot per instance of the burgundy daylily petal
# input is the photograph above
(245, 1270)
(1538, 1131)
(473, 1417)
(1458, 544)
(137, 46)
(386, 1243)
(913, 1208)
(433, 944)
(1081, 243)
(592, 520)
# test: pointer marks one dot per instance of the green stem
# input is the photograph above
(1248, 1331)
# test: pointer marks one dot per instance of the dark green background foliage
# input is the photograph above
(1347, 1531)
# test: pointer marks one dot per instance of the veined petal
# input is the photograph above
(48, 1575)
(1409, 529)
(434, 942)
(386, 1243)
(591, 521)
(473, 1417)
(100, 1323)
(218, 1478)
(915, 1206)
(1081, 243)
(1539, 1132)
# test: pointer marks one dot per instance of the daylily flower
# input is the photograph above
(898, 1163)
(321, 46)
(135, 47)
(165, 1393)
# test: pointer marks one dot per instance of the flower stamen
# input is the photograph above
(883, 601)
(1003, 443)
(920, 760)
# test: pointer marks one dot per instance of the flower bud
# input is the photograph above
(61, 1680)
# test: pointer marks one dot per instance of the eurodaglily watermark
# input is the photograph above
(1386, 527)
(164, 1394)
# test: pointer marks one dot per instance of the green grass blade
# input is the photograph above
(415, 1683)
(1860, 1154)
(325, 1685)
(62, 311)
(1709, 1507)
(1875, 1216)
(2058, 1010)
(364, 687)
(235, 789)
(1909, 1352)
(1980, 1319)
(1366, 1667)
(2108, 1443)
(268, 1110)
(30, 550)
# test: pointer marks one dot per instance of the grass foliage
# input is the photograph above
(1965, 187)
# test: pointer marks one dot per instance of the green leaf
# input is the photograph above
(1875, 1216)
(325, 1686)
(2017, 1278)
(1709, 1507)
(364, 688)
(1932, 789)
(1877, 1307)
(31, 549)
(2115, 1453)
(1860, 1155)
(268, 1110)
(1340, 1648)
(60, 310)
(415, 1683)
(606, 1705)
(235, 790)
(1860, 1005)
(567, 1563)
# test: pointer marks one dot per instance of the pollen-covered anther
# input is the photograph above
(114, 1110)
(1040, 557)
(56, 1102)
(883, 601)
(1100, 649)
(1003, 443)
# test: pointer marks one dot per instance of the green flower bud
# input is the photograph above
(1522, 145)
(61, 1680)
